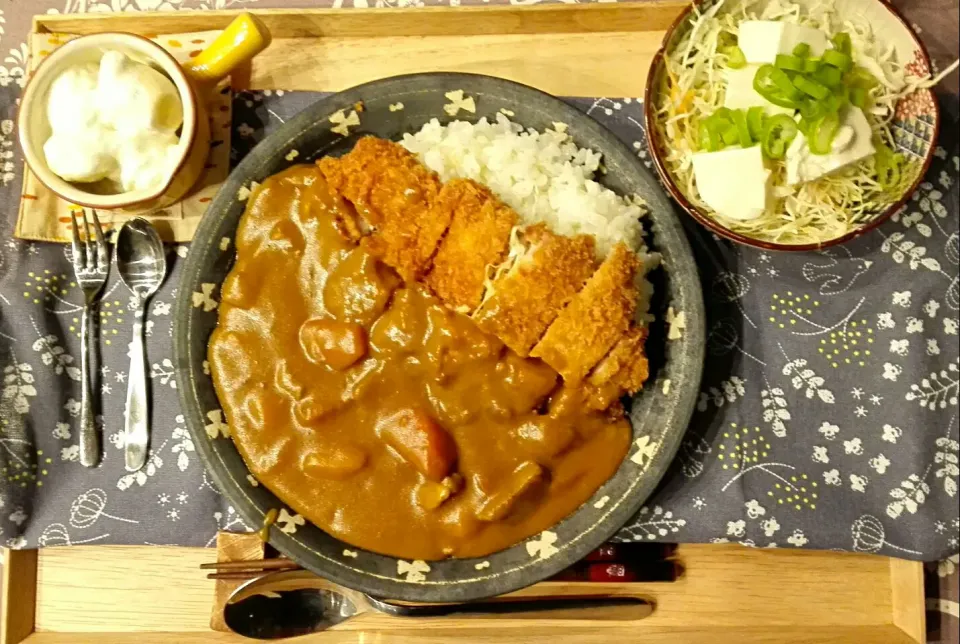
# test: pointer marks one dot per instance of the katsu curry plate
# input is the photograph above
(438, 337)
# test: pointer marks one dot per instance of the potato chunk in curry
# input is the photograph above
(333, 343)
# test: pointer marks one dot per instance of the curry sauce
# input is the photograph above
(384, 417)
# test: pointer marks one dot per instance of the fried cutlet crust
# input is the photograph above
(394, 194)
(529, 296)
(477, 237)
(594, 320)
(622, 371)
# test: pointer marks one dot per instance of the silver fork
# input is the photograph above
(91, 263)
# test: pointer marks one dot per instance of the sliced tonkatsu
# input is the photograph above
(595, 318)
(478, 236)
(394, 195)
(540, 293)
(528, 297)
(622, 371)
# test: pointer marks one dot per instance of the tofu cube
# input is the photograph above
(762, 40)
(853, 143)
(733, 182)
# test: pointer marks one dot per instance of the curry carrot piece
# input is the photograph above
(420, 441)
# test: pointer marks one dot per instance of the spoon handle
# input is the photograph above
(89, 443)
(628, 607)
(136, 430)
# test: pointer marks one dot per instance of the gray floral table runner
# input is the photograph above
(827, 417)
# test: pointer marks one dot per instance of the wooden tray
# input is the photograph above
(728, 594)
(114, 594)
(567, 50)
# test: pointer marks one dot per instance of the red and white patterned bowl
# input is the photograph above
(916, 123)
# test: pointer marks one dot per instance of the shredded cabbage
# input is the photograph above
(813, 212)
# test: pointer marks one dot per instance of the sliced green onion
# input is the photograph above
(791, 63)
(838, 59)
(832, 103)
(829, 76)
(721, 122)
(842, 43)
(811, 65)
(811, 87)
(735, 57)
(774, 85)
(860, 77)
(723, 116)
(858, 97)
(781, 101)
(840, 98)
(743, 128)
(730, 135)
(755, 120)
(811, 110)
(785, 84)
(805, 124)
(778, 133)
(709, 136)
(802, 50)
(821, 134)
(889, 167)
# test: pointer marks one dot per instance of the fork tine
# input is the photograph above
(91, 258)
(103, 259)
(79, 256)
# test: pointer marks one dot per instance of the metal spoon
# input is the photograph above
(290, 603)
(142, 266)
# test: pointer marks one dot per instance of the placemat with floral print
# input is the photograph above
(827, 417)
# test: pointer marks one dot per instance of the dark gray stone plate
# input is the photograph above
(659, 414)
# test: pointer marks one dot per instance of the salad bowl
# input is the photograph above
(914, 121)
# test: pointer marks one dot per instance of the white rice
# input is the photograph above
(544, 176)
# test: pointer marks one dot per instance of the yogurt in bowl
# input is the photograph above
(115, 122)
(112, 120)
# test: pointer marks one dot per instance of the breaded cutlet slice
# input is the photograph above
(528, 297)
(622, 371)
(478, 235)
(394, 194)
(594, 320)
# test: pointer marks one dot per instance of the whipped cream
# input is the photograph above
(116, 120)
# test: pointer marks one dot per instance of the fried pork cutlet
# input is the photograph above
(394, 194)
(478, 235)
(594, 320)
(622, 371)
(530, 295)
